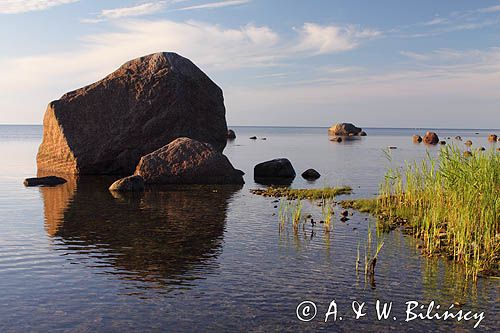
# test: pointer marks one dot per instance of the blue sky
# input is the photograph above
(280, 62)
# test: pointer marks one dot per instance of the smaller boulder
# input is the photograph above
(458, 137)
(468, 143)
(492, 138)
(482, 149)
(187, 161)
(430, 138)
(128, 184)
(230, 134)
(336, 139)
(277, 168)
(417, 139)
(362, 133)
(253, 138)
(310, 174)
(442, 142)
(44, 181)
(344, 129)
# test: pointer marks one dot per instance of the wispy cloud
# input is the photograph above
(217, 4)
(324, 39)
(139, 10)
(23, 6)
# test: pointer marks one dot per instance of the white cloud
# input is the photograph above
(139, 10)
(492, 9)
(214, 5)
(321, 39)
(22, 6)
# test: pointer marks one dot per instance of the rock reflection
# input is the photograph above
(156, 235)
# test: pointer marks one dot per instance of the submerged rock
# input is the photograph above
(106, 127)
(187, 161)
(344, 129)
(230, 134)
(277, 168)
(128, 184)
(310, 174)
(492, 138)
(44, 181)
(430, 138)
(417, 139)
(336, 139)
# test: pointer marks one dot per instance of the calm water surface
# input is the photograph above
(187, 259)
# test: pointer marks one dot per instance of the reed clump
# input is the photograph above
(451, 203)
(300, 194)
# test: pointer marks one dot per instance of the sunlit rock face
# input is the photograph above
(106, 127)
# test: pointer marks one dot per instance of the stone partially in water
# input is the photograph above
(344, 129)
(430, 138)
(417, 139)
(468, 143)
(44, 181)
(128, 184)
(187, 161)
(336, 139)
(492, 138)
(310, 174)
(231, 135)
(279, 169)
(106, 127)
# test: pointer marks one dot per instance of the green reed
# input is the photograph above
(297, 193)
(452, 203)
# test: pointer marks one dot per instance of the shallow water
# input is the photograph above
(211, 258)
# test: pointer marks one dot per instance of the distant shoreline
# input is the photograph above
(322, 127)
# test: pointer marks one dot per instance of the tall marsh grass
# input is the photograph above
(452, 203)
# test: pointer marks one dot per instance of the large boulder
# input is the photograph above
(106, 127)
(187, 161)
(345, 129)
(431, 138)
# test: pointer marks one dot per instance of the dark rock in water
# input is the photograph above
(344, 213)
(468, 143)
(344, 219)
(128, 184)
(187, 161)
(263, 138)
(458, 137)
(417, 139)
(311, 174)
(442, 142)
(336, 139)
(279, 168)
(106, 127)
(230, 134)
(344, 129)
(253, 138)
(430, 138)
(492, 138)
(44, 181)
(362, 133)
(392, 147)
(482, 149)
